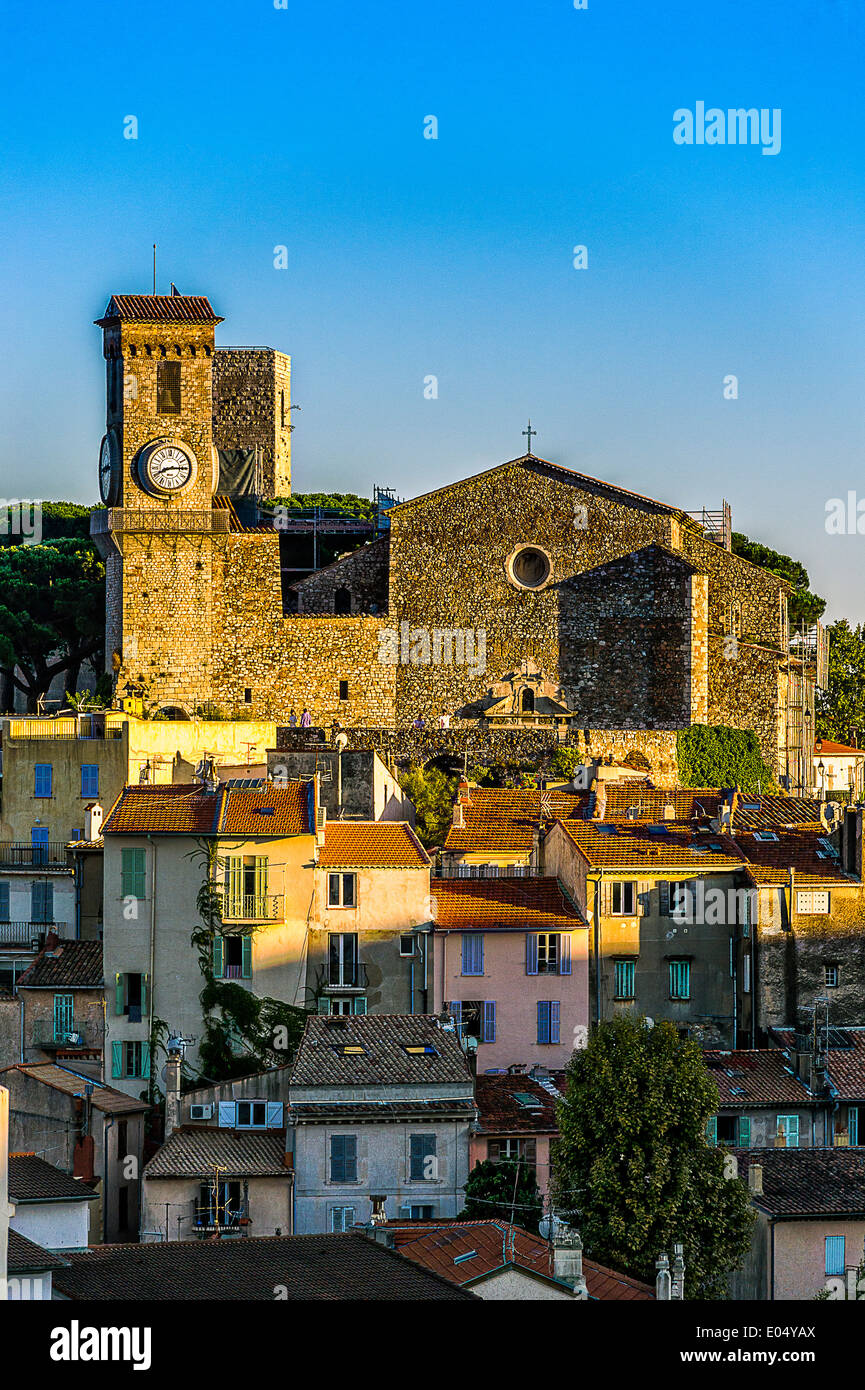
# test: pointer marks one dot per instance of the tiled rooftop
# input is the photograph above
(484, 1246)
(26, 1257)
(755, 1076)
(160, 308)
(501, 1111)
(519, 904)
(71, 964)
(191, 1152)
(505, 819)
(31, 1179)
(384, 1060)
(371, 844)
(846, 1063)
(629, 845)
(802, 1182)
(255, 812)
(104, 1098)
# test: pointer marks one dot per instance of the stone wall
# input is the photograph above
(363, 576)
(251, 406)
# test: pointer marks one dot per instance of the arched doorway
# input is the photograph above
(527, 701)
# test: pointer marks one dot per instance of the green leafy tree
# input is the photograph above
(507, 1191)
(804, 606)
(633, 1168)
(841, 707)
(432, 792)
(714, 756)
(59, 520)
(345, 503)
(52, 614)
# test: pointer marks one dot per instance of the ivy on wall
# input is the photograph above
(715, 756)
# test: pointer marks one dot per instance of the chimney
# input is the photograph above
(755, 1179)
(677, 1289)
(663, 1283)
(669, 811)
(172, 1092)
(93, 821)
(458, 819)
(600, 801)
(568, 1259)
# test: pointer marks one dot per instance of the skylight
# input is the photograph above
(349, 1050)
(421, 1050)
(765, 835)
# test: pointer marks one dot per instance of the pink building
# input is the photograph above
(517, 1121)
(511, 965)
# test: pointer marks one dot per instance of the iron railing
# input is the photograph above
(347, 975)
(22, 933)
(46, 1034)
(252, 907)
(19, 854)
(202, 519)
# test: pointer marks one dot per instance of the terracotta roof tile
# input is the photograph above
(505, 819)
(159, 308)
(335, 1268)
(519, 904)
(770, 861)
(485, 1246)
(629, 845)
(371, 844)
(755, 1076)
(26, 1257)
(71, 965)
(32, 1179)
(845, 1057)
(500, 1112)
(804, 1182)
(104, 1098)
(837, 750)
(384, 1061)
(191, 1151)
(270, 811)
(273, 810)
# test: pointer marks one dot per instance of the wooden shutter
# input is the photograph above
(246, 958)
(744, 1128)
(226, 1114)
(543, 1021)
(261, 863)
(555, 1016)
(218, 958)
(4, 902)
(323, 1004)
(642, 889)
(234, 875)
(531, 953)
(145, 1059)
(606, 898)
(664, 896)
(116, 1059)
(456, 1008)
(274, 1114)
(712, 1129)
(564, 953)
(488, 1021)
(118, 994)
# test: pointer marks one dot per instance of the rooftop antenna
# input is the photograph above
(154, 267)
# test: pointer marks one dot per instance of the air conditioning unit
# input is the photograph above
(201, 1112)
(73, 1039)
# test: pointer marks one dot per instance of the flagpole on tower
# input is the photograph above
(154, 267)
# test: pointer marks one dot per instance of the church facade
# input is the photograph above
(526, 594)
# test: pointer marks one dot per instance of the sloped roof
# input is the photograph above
(371, 844)
(104, 1098)
(500, 1110)
(837, 750)
(384, 1061)
(505, 819)
(770, 861)
(333, 1268)
(846, 1063)
(755, 1076)
(808, 1182)
(31, 1179)
(484, 1247)
(628, 845)
(26, 1257)
(71, 965)
(191, 1151)
(159, 308)
(184, 809)
(519, 904)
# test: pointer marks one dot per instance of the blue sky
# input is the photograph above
(452, 257)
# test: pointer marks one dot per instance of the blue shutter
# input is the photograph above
(42, 779)
(274, 1114)
(145, 1059)
(564, 953)
(246, 958)
(4, 902)
(853, 1125)
(834, 1254)
(488, 1021)
(543, 1021)
(456, 1009)
(226, 1114)
(89, 779)
(555, 1013)
(473, 953)
(116, 1059)
(218, 958)
(531, 953)
(323, 1004)
(744, 1134)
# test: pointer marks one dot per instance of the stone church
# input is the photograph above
(528, 594)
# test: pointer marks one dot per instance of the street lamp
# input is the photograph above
(821, 769)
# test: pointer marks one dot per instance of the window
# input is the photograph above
(680, 979)
(341, 890)
(527, 701)
(232, 957)
(132, 873)
(682, 898)
(422, 1161)
(625, 972)
(473, 953)
(355, 1004)
(219, 1204)
(831, 976)
(4, 902)
(343, 690)
(343, 964)
(788, 1132)
(42, 902)
(746, 974)
(548, 953)
(835, 1255)
(90, 779)
(130, 996)
(417, 1213)
(168, 388)
(63, 1016)
(39, 844)
(623, 898)
(343, 1158)
(341, 1218)
(474, 1018)
(78, 832)
(529, 567)
(406, 945)
(42, 776)
(247, 695)
(342, 607)
(251, 1114)
(548, 1021)
(246, 886)
(732, 1130)
(513, 1150)
(812, 903)
(130, 1059)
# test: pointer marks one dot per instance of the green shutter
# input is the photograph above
(145, 982)
(360, 1005)
(132, 866)
(323, 1004)
(118, 994)
(235, 885)
(246, 958)
(261, 885)
(744, 1132)
(145, 1059)
(218, 969)
(712, 1129)
(116, 1059)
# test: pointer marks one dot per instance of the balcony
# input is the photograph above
(45, 1033)
(253, 907)
(229, 1223)
(19, 854)
(23, 934)
(346, 975)
(136, 519)
(86, 726)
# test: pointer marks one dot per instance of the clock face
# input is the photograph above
(107, 469)
(168, 468)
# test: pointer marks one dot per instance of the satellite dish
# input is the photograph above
(650, 1023)
(341, 741)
